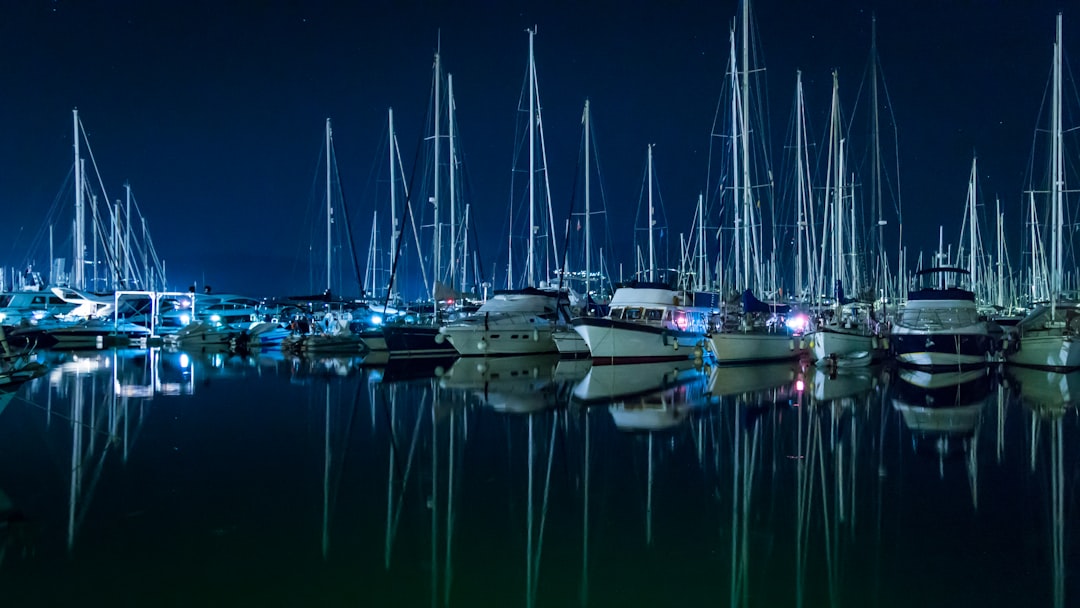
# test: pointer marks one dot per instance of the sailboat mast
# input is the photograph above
(80, 210)
(127, 237)
(532, 161)
(973, 265)
(875, 173)
(588, 209)
(735, 160)
(652, 249)
(1056, 167)
(393, 192)
(435, 194)
(453, 171)
(703, 281)
(801, 202)
(744, 133)
(329, 207)
(1000, 254)
(465, 249)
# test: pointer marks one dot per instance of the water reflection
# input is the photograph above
(1051, 399)
(524, 481)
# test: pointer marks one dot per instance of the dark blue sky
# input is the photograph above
(214, 111)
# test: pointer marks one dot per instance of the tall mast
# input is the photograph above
(465, 249)
(1056, 168)
(453, 171)
(744, 133)
(532, 160)
(80, 210)
(973, 265)
(393, 193)
(799, 184)
(435, 194)
(588, 209)
(1000, 254)
(735, 160)
(329, 207)
(702, 268)
(652, 249)
(127, 238)
(875, 173)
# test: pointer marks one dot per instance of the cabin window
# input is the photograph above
(495, 336)
(38, 301)
(654, 315)
(632, 314)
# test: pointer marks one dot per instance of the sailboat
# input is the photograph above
(1047, 337)
(849, 327)
(760, 331)
(518, 321)
(421, 336)
(333, 333)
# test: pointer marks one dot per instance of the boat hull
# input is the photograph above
(417, 341)
(930, 351)
(827, 342)
(739, 347)
(480, 342)
(1053, 352)
(616, 342)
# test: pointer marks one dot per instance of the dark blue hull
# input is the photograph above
(417, 341)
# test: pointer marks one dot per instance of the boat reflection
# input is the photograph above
(943, 411)
(607, 383)
(730, 380)
(1050, 397)
(661, 410)
(841, 383)
(514, 384)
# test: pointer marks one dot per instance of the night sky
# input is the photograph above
(214, 111)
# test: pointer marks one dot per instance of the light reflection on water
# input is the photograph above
(150, 477)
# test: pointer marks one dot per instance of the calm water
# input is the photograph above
(166, 479)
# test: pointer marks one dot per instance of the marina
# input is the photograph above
(566, 316)
(274, 479)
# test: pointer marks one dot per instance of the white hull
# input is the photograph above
(628, 344)
(570, 343)
(841, 343)
(752, 346)
(520, 340)
(1048, 351)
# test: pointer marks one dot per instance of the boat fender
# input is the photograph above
(536, 335)
(481, 345)
(675, 345)
(664, 336)
(791, 344)
(439, 371)
(440, 337)
(874, 342)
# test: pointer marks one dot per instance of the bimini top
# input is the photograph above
(942, 269)
(528, 300)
